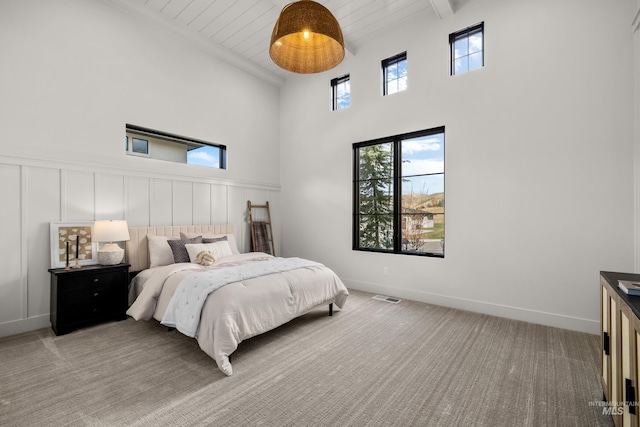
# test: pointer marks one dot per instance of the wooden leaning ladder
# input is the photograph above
(261, 231)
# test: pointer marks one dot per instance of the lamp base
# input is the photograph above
(110, 254)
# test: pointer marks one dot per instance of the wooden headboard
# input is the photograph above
(138, 246)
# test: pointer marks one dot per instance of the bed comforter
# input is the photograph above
(236, 310)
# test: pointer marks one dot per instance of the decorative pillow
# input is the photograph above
(180, 253)
(230, 238)
(159, 250)
(214, 239)
(219, 249)
(206, 258)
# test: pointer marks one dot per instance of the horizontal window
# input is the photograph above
(165, 146)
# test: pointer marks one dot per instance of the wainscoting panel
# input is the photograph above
(219, 204)
(161, 203)
(182, 203)
(138, 204)
(79, 192)
(44, 198)
(11, 248)
(201, 203)
(236, 209)
(109, 196)
(35, 194)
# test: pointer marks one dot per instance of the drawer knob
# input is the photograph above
(96, 294)
(95, 280)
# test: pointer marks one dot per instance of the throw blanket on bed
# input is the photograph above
(185, 306)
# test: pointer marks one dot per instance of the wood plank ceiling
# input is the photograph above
(243, 27)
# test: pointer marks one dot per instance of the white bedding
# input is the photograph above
(241, 309)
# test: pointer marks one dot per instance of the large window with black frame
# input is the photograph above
(398, 194)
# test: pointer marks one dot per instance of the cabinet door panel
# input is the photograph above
(606, 334)
(614, 343)
(626, 339)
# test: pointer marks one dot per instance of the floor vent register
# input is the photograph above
(387, 299)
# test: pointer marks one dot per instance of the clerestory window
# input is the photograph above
(394, 74)
(340, 92)
(467, 49)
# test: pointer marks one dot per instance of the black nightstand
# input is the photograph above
(88, 295)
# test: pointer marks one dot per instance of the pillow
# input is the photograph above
(206, 258)
(159, 250)
(180, 253)
(214, 239)
(218, 249)
(230, 238)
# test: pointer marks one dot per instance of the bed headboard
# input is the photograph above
(138, 246)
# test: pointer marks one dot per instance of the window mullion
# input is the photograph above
(397, 196)
(356, 201)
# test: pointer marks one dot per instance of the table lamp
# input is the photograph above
(110, 231)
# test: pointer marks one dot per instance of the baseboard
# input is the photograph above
(24, 325)
(516, 313)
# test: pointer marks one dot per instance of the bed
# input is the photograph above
(194, 279)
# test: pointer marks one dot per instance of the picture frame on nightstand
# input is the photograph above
(65, 234)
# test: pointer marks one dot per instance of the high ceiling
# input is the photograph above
(239, 31)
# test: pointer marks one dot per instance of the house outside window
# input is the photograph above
(394, 74)
(340, 92)
(398, 194)
(467, 49)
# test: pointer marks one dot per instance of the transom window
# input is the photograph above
(166, 146)
(394, 74)
(398, 194)
(340, 92)
(467, 49)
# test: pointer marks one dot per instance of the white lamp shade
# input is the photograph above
(110, 231)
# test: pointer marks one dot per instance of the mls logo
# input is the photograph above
(610, 410)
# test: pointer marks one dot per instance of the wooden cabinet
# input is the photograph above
(620, 349)
(86, 296)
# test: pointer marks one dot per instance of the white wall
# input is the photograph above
(539, 159)
(73, 73)
(636, 180)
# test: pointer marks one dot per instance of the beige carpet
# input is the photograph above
(372, 364)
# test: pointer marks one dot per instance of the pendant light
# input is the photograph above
(306, 38)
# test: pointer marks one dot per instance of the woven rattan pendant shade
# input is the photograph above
(306, 38)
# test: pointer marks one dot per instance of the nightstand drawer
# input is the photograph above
(98, 307)
(94, 297)
(90, 281)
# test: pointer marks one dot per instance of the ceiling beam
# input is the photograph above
(443, 8)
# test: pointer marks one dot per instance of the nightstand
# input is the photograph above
(88, 295)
